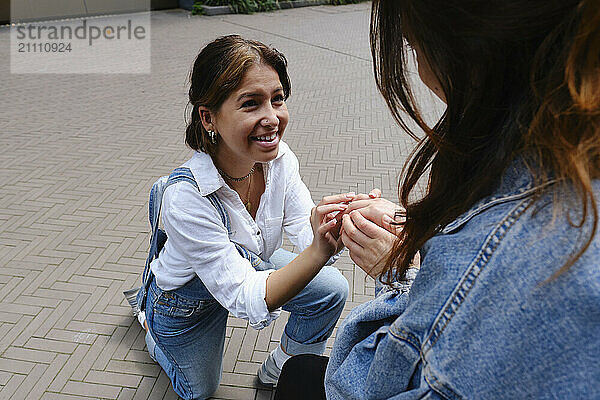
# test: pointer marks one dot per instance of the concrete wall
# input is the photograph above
(4, 11)
(31, 10)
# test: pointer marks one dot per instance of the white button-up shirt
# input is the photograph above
(199, 244)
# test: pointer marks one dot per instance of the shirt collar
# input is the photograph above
(206, 175)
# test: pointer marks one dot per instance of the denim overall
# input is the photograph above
(159, 237)
(186, 333)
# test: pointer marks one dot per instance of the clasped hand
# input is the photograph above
(362, 223)
(368, 231)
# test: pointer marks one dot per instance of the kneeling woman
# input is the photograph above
(224, 233)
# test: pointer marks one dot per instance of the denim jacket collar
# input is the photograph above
(516, 183)
(206, 175)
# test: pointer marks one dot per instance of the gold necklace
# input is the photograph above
(247, 203)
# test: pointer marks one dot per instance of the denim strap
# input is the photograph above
(181, 174)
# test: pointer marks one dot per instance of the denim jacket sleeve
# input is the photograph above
(365, 338)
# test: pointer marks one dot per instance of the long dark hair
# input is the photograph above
(518, 76)
(218, 70)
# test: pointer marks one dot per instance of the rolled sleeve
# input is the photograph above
(259, 316)
(242, 290)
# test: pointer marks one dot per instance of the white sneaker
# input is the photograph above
(268, 373)
(131, 296)
(141, 317)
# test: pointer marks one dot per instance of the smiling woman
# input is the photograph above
(250, 122)
(225, 221)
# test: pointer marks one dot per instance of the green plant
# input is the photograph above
(197, 8)
(267, 5)
(251, 6)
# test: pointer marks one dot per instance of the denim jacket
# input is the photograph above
(482, 319)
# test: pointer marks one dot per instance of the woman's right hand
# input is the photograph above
(376, 209)
(368, 230)
(326, 226)
(368, 243)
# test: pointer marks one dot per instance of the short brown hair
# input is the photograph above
(218, 71)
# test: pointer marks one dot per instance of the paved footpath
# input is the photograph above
(78, 156)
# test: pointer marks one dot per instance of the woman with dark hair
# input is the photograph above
(225, 214)
(506, 302)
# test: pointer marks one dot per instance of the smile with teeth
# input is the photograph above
(265, 138)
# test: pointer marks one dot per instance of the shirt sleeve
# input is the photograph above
(198, 236)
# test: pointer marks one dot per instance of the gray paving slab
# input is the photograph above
(79, 153)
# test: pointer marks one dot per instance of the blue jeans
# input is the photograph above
(187, 326)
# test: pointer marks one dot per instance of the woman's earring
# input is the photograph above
(212, 136)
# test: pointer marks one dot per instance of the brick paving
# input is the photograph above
(79, 154)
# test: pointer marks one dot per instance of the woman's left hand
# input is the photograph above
(376, 209)
(367, 242)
